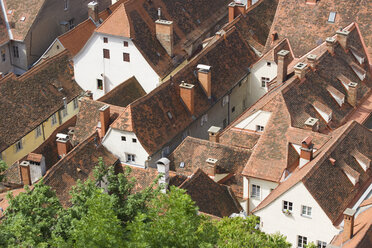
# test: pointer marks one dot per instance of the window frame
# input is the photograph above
(19, 145)
(123, 138)
(64, 112)
(301, 241)
(105, 39)
(65, 5)
(15, 51)
(54, 119)
(3, 55)
(203, 119)
(126, 57)
(99, 81)
(106, 53)
(37, 131)
(71, 24)
(130, 157)
(256, 191)
(321, 244)
(306, 212)
(125, 43)
(289, 206)
(260, 128)
(134, 140)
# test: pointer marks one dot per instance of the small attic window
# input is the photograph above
(22, 19)
(10, 12)
(170, 116)
(332, 17)
(182, 164)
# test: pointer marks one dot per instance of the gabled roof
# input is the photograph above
(209, 196)
(230, 58)
(194, 152)
(306, 25)
(78, 164)
(116, 24)
(327, 183)
(27, 101)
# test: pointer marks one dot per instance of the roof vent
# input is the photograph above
(211, 160)
(332, 17)
(211, 166)
(22, 19)
(312, 124)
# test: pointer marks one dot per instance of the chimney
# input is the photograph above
(348, 224)
(306, 154)
(214, 134)
(333, 161)
(352, 94)
(235, 9)
(205, 78)
(283, 56)
(63, 144)
(164, 33)
(249, 3)
(342, 37)
(274, 36)
(104, 117)
(211, 166)
(300, 70)
(93, 11)
(25, 172)
(311, 59)
(163, 168)
(187, 96)
(312, 124)
(331, 43)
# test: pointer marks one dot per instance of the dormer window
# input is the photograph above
(131, 158)
(337, 95)
(360, 72)
(357, 55)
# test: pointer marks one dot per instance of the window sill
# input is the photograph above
(256, 198)
(306, 216)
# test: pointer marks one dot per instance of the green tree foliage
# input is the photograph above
(3, 168)
(172, 221)
(311, 245)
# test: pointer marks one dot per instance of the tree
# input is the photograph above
(30, 217)
(240, 232)
(3, 168)
(310, 245)
(172, 220)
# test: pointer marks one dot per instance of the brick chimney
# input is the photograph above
(164, 33)
(306, 154)
(352, 93)
(163, 168)
(342, 37)
(93, 11)
(211, 166)
(312, 124)
(348, 224)
(214, 134)
(63, 144)
(300, 69)
(283, 62)
(311, 59)
(25, 172)
(331, 43)
(187, 96)
(235, 9)
(205, 79)
(104, 117)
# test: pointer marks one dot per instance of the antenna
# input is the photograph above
(159, 13)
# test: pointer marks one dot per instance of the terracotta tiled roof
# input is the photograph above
(209, 196)
(89, 116)
(4, 203)
(194, 152)
(230, 58)
(116, 24)
(306, 25)
(13, 175)
(4, 35)
(27, 101)
(78, 164)
(327, 183)
(34, 157)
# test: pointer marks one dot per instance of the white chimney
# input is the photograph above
(163, 168)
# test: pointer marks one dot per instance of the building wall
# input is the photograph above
(259, 70)
(30, 142)
(317, 227)
(19, 63)
(5, 66)
(55, 48)
(265, 189)
(89, 65)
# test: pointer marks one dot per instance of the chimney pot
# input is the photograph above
(235, 9)
(342, 37)
(214, 134)
(93, 11)
(205, 79)
(311, 59)
(306, 154)
(25, 172)
(283, 62)
(312, 124)
(163, 168)
(300, 70)
(331, 43)
(348, 224)
(104, 116)
(63, 144)
(164, 33)
(187, 96)
(211, 168)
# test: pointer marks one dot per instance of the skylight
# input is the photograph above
(332, 17)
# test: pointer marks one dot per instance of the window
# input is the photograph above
(64, 112)
(233, 109)
(66, 5)
(256, 190)
(76, 103)
(240, 84)
(131, 158)
(321, 244)
(71, 24)
(123, 138)
(38, 132)
(3, 55)
(100, 84)
(332, 17)
(264, 81)
(306, 211)
(125, 43)
(126, 57)
(225, 100)
(15, 52)
(54, 119)
(105, 40)
(287, 206)
(106, 53)
(204, 119)
(259, 128)
(302, 241)
(268, 63)
(134, 140)
(19, 146)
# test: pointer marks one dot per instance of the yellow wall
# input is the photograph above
(54, 49)
(30, 142)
